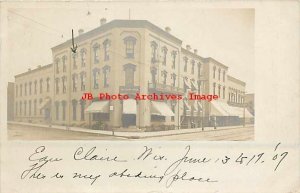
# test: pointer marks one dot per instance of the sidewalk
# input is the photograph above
(126, 134)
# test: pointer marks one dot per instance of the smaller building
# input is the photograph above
(10, 101)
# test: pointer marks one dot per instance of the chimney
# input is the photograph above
(168, 29)
(80, 31)
(29, 69)
(188, 47)
(102, 21)
(195, 51)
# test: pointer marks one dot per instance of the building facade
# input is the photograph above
(125, 57)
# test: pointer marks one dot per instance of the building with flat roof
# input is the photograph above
(127, 57)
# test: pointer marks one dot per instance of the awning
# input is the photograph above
(200, 105)
(194, 85)
(161, 108)
(187, 107)
(217, 109)
(186, 83)
(228, 110)
(129, 107)
(45, 103)
(195, 106)
(98, 107)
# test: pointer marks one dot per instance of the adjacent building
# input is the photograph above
(128, 56)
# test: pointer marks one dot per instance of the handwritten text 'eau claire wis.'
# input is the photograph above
(39, 160)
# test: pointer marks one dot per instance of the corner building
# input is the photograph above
(123, 56)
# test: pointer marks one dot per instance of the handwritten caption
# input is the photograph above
(173, 170)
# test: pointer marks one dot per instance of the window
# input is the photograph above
(219, 76)
(129, 46)
(185, 63)
(82, 80)
(41, 100)
(193, 66)
(74, 78)
(164, 51)
(29, 107)
(17, 90)
(173, 77)
(41, 85)
(57, 85)
(57, 65)
(34, 107)
(20, 113)
(153, 75)
(96, 74)
(224, 75)
(21, 90)
(74, 56)
(64, 81)
(25, 88)
(17, 109)
(64, 61)
(57, 110)
(83, 57)
(106, 45)
(63, 104)
(214, 88)
(35, 86)
(25, 108)
(214, 72)
(164, 75)
(48, 84)
(219, 90)
(82, 107)
(223, 92)
(96, 48)
(199, 69)
(30, 84)
(153, 52)
(74, 105)
(129, 74)
(106, 70)
(174, 53)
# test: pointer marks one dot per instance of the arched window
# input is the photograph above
(20, 113)
(74, 56)
(82, 80)
(57, 65)
(64, 61)
(25, 108)
(96, 48)
(57, 110)
(29, 107)
(74, 105)
(96, 74)
(63, 104)
(74, 80)
(17, 90)
(82, 107)
(129, 46)
(173, 77)
(219, 76)
(165, 52)
(83, 57)
(224, 73)
(56, 85)
(17, 109)
(25, 88)
(106, 46)
(41, 100)
(34, 107)
(214, 72)
(199, 69)
(164, 75)
(129, 74)
(41, 85)
(153, 52)
(193, 66)
(174, 53)
(214, 88)
(21, 90)
(64, 82)
(35, 86)
(185, 59)
(223, 92)
(106, 70)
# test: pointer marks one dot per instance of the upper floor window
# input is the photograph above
(174, 53)
(193, 66)
(219, 90)
(185, 63)
(25, 88)
(21, 89)
(224, 73)
(82, 80)
(64, 62)
(35, 86)
(74, 56)
(173, 77)
(30, 84)
(57, 110)
(129, 74)
(106, 46)
(214, 72)
(153, 52)
(64, 81)
(74, 105)
(96, 48)
(83, 57)
(164, 75)
(74, 78)
(57, 85)
(96, 74)
(57, 65)
(106, 70)
(41, 85)
(223, 92)
(199, 69)
(129, 43)
(48, 84)
(219, 74)
(17, 90)
(214, 88)
(164, 51)
(153, 75)
(63, 104)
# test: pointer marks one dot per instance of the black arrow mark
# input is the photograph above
(74, 46)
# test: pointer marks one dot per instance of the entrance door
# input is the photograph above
(129, 120)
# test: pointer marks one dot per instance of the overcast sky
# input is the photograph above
(226, 35)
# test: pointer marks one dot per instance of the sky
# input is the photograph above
(226, 35)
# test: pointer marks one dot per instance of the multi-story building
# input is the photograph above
(127, 57)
